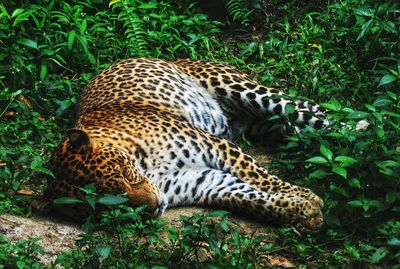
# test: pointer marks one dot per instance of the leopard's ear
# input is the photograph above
(78, 137)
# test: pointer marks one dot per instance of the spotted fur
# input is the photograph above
(161, 132)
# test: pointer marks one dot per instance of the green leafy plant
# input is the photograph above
(202, 241)
(22, 254)
(343, 54)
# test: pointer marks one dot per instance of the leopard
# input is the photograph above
(162, 134)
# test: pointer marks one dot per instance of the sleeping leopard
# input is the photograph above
(161, 133)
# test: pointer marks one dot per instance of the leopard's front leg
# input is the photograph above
(230, 158)
(205, 186)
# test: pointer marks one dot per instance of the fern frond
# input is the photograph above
(239, 11)
(134, 29)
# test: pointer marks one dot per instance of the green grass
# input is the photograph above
(343, 54)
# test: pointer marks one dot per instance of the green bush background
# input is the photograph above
(343, 54)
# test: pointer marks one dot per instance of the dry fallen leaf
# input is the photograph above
(279, 261)
(25, 192)
(9, 114)
(25, 101)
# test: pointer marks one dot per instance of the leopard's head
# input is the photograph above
(80, 160)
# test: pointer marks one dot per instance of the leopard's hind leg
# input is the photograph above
(247, 103)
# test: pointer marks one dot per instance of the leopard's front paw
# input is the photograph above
(313, 220)
(310, 218)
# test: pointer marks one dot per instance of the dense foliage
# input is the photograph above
(343, 54)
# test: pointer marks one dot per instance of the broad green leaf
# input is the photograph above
(224, 225)
(348, 110)
(388, 163)
(3, 11)
(4, 151)
(147, 6)
(17, 12)
(379, 132)
(326, 152)
(153, 239)
(364, 28)
(43, 71)
(319, 174)
(91, 200)
(368, 12)
(358, 115)
(354, 182)
(375, 203)
(21, 264)
(345, 160)
(391, 196)
(83, 27)
(256, 240)
(355, 203)
(218, 213)
(340, 171)
(386, 79)
(91, 59)
(394, 242)
(382, 102)
(112, 200)
(353, 252)
(88, 189)
(328, 106)
(289, 109)
(392, 114)
(393, 95)
(317, 159)
(390, 27)
(379, 254)
(104, 251)
(266, 247)
(21, 18)
(369, 107)
(29, 43)
(16, 93)
(67, 201)
(88, 226)
(334, 105)
(37, 165)
(378, 116)
(387, 171)
(36, 162)
(71, 39)
(112, 2)
(249, 49)
(83, 42)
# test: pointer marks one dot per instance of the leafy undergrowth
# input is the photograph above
(343, 54)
